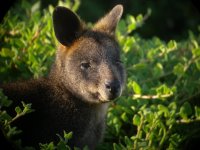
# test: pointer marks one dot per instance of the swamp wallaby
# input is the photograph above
(86, 75)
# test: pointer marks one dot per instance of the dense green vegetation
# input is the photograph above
(160, 107)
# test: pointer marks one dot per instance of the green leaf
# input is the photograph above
(136, 120)
(163, 109)
(197, 62)
(163, 89)
(116, 147)
(173, 105)
(68, 135)
(140, 66)
(128, 141)
(171, 45)
(179, 69)
(131, 19)
(18, 110)
(158, 70)
(131, 23)
(128, 44)
(185, 110)
(124, 117)
(197, 112)
(121, 27)
(136, 87)
(4, 102)
(49, 146)
(35, 7)
(4, 116)
(27, 108)
(7, 53)
(139, 18)
(62, 146)
(131, 27)
(196, 52)
(13, 131)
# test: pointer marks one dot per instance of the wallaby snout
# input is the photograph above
(113, 89)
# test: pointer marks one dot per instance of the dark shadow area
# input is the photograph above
(169, 19)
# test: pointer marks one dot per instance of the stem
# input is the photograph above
(164, 135)
(138, 132)
(16, 117)
(135, 96)
(150, 131)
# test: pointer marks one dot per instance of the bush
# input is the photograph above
(159, 108)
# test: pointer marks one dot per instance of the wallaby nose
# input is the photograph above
(113, 89)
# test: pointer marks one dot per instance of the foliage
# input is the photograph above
(61, 145)
(6, 120)
(159, 108)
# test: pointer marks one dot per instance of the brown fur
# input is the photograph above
(86, 75)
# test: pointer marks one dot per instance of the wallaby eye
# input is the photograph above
(85, 65)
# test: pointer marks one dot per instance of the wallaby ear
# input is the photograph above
(66, 25)
(109, 22)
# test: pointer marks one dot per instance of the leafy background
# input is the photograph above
(160, 107)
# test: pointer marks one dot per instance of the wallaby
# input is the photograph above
(86, 75)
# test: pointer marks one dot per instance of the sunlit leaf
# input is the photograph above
(185, 110)
(136, 120)
(178, 69)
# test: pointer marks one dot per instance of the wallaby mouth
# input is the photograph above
(97, 96)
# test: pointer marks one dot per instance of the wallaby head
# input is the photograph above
(88, 60)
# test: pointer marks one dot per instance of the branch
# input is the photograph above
(135, 96)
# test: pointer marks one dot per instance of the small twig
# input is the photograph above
(138, 132)
(183, 121)
(135, 96)
(16, 117)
